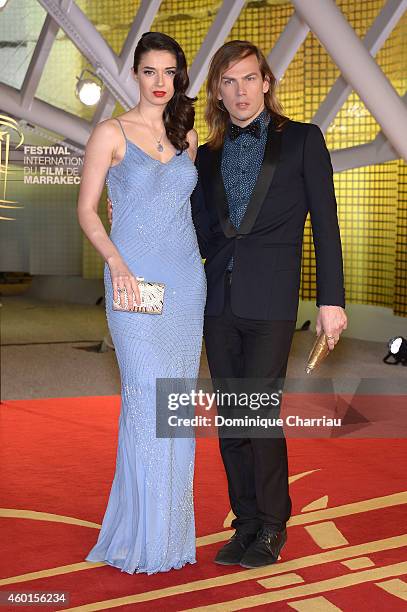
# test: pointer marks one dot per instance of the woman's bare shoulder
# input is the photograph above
(106, 139)
(109, 128)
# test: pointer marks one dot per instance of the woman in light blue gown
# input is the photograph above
(146, 157)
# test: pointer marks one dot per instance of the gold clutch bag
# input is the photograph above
(151, 295)
(318, 353)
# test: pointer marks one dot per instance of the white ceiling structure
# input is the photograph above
(354, 58)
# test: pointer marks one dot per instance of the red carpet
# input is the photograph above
(57, 457)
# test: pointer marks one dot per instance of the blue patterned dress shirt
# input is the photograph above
(241, 163)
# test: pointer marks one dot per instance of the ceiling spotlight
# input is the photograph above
(3, 4)
(397, 351)
(87, 89)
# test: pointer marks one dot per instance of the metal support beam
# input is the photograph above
(363, 155)
(93, 46)
(38, 60)
(375, 38)
(384, 24)
(142, 23)
(378, 151)
(287, 45)
(223, 23)
(358, 67)
(45, 115)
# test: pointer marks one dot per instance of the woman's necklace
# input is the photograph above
(158, 140)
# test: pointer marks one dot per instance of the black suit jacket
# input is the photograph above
(296, 177)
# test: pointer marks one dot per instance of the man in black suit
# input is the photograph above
(259, 175)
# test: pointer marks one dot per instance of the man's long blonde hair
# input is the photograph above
(216, 114)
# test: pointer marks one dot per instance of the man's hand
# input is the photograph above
(332, 320)
(109, 211)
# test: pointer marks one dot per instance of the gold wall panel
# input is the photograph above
(371, 200)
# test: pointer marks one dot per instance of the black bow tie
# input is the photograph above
(253, 128)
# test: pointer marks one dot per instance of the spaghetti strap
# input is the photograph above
(121, 127)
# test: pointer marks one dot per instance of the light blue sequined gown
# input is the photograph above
(149, 521)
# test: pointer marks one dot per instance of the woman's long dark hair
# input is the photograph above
(179, 114)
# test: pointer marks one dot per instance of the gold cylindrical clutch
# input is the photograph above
(318, 353)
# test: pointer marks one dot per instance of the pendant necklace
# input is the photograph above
(159, 146)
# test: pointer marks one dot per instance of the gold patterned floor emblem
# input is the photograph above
(282, 581)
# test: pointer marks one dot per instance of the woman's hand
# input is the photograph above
(125, 281)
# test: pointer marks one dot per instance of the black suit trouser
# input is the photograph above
(256, 468)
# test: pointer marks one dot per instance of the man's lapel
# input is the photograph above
(219, 194)
(264, 180)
